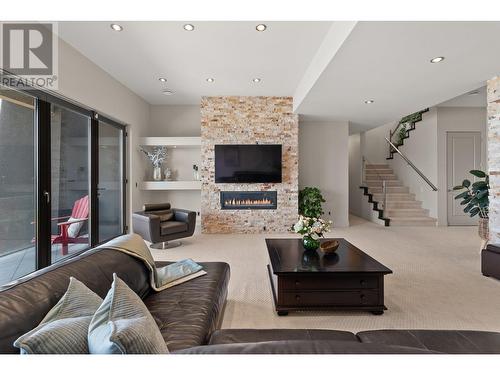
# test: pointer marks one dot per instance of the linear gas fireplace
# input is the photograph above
(248, 200)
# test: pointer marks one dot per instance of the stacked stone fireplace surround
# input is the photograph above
(249, 120)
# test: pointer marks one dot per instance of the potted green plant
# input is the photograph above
(310, 200)
(475, 198)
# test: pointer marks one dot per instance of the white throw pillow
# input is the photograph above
(74, 229)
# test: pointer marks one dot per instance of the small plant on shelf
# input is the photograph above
(157, 156)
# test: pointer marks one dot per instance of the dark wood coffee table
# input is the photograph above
(349, 279)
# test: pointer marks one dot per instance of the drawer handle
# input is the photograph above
(362, 282)
(297, 298)
(297, 283)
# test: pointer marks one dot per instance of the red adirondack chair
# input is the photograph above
(79, 214)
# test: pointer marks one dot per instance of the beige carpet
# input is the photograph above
(436, 282)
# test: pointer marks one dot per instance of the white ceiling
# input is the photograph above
(231, 52)
(474, 98)
(389, 63)
(330, 68)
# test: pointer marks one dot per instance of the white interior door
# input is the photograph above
(463, 154)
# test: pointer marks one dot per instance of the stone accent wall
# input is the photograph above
(248, 120)
(494, 157)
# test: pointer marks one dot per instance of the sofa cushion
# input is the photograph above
(231, 336)
(188, 313)
(123, 325)
(171, 227)
(64, 329)
(450, 342)
(165, 215)
(24, 303)
(303, 347)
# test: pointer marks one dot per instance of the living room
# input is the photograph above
(265, 185)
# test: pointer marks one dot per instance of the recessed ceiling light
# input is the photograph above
(437, 59)
(116, 27)
(261, 27)
(167, 92)
(162, 79)
(370, 101)
(476, 92)
(256, 80)
(188, 27)
(210, 80)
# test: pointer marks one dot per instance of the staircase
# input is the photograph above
(401, 207)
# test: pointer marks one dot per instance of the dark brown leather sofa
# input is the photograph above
(190, 314)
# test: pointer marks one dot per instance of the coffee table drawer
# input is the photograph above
(330, 298)
(327, 283)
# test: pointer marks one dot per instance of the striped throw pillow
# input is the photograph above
(64, 329)
(124, 325)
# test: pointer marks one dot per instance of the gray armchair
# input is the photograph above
(159, 223)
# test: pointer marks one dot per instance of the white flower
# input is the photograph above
(299, 225)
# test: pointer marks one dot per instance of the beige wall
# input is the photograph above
(355, 180)
(249, 120)
(84, 82)
(324, 163)
(455, 119)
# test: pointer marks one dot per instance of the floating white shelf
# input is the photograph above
(170, 185)
(171, 141)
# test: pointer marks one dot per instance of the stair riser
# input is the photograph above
(380, 179)
(377, 166)
(382, 172)
(389, 190)
(394, 197)
(403, 204)
(375, 184)
(406, 213)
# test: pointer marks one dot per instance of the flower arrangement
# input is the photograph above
(157, 156)
(311, 229)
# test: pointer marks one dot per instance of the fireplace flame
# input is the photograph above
(248, 202)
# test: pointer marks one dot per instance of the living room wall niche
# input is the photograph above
(248, 120)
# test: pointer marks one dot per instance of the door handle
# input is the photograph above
(46, 194)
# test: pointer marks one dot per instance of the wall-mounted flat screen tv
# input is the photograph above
(247, 163)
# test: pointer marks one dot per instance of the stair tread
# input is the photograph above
(418, 218)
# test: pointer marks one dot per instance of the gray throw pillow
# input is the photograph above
(124, 325)
(64, 329)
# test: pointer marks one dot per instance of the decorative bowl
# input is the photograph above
(329, 247)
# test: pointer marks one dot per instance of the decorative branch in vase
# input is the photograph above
(157, 156)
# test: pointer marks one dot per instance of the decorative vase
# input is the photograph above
(157, 173)
(310, 243)
(483, 229)
(167, 173)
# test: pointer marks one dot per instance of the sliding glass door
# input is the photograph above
(17, 185)
(62, 181)
(70, 184)
(110, 188)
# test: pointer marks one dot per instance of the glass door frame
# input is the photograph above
(94, 176)
(42, 137)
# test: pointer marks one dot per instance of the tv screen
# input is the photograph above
(247, 163)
